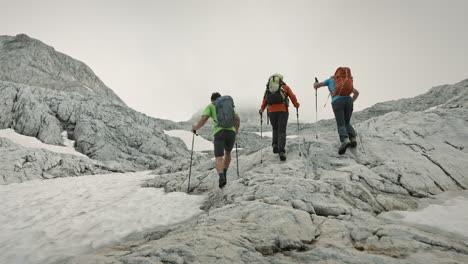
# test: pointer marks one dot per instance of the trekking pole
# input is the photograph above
(268, 119)
(191, 158)
(297, 118)
(316, 111)
(326, 101)
(261, 136)
(237, 159)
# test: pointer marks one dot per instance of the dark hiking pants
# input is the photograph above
(279, 121)
(343, 109)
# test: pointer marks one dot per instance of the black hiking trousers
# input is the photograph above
(279, 122)
(343, 109)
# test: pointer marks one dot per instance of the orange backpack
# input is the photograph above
(343, 81)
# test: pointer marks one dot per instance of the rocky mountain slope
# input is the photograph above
(29, 61)
(318, 206)
(43, 93)
(22, 164)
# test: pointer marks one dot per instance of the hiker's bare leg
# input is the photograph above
(227, 159)
(219, 164)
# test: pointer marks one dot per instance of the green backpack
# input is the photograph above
(275, 93)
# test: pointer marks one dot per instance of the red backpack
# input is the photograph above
(343, 81)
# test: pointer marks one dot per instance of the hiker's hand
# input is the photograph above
(260, 111)
(298, 104)
(194, 128)
(237, 131)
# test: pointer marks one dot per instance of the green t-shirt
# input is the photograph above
(210, 111)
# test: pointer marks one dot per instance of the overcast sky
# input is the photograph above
(164, 58)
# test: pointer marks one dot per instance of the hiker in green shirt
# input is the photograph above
(226, 128)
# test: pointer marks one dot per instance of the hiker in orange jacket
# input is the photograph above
(277, 96)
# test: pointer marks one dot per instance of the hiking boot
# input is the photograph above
(275, 150)
(353, 142)
(282, 156)
(222, 181)
(344, 145)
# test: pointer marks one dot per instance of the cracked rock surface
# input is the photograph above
(318, 206)
(44, 92)
(22, 164)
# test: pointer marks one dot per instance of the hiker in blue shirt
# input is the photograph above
(342, 104)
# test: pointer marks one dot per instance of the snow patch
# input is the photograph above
(87, 87)
(447, 212)
(67, 142)
(200, 143)
(32, 142)
(270, 134)
(433, 108)
(46, 221)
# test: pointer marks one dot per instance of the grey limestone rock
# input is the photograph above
(44, 92)
(102, 130)
(21, 164)
(29, 61)
(401, 157)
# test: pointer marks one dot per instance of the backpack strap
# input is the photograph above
(285, 95)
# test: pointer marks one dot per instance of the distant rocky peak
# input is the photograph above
(26, 60)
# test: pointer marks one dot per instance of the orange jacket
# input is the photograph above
(281, 107)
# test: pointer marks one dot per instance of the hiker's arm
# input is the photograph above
(355, 94)
(237, 125)
(200, 123)
(264, 104)
(292, 96)
(320, 84)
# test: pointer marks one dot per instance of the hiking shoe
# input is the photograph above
(282, 156)
(222, 181)
(275, 150)
(353, 142)
(344, 145)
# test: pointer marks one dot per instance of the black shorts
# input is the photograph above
(224, 140)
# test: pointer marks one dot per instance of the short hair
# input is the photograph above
(215, 96)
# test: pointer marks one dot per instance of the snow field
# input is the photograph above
(200, 144)
(32, 142)
(44, 221)
(270, 134)
(447, 212)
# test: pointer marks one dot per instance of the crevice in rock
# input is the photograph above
(417, 134)
(412, 145)
(356, 245)
(440, 187)
(367, 186)
(276, 248)
(411, 193)
(454, 146)
(445, 171)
